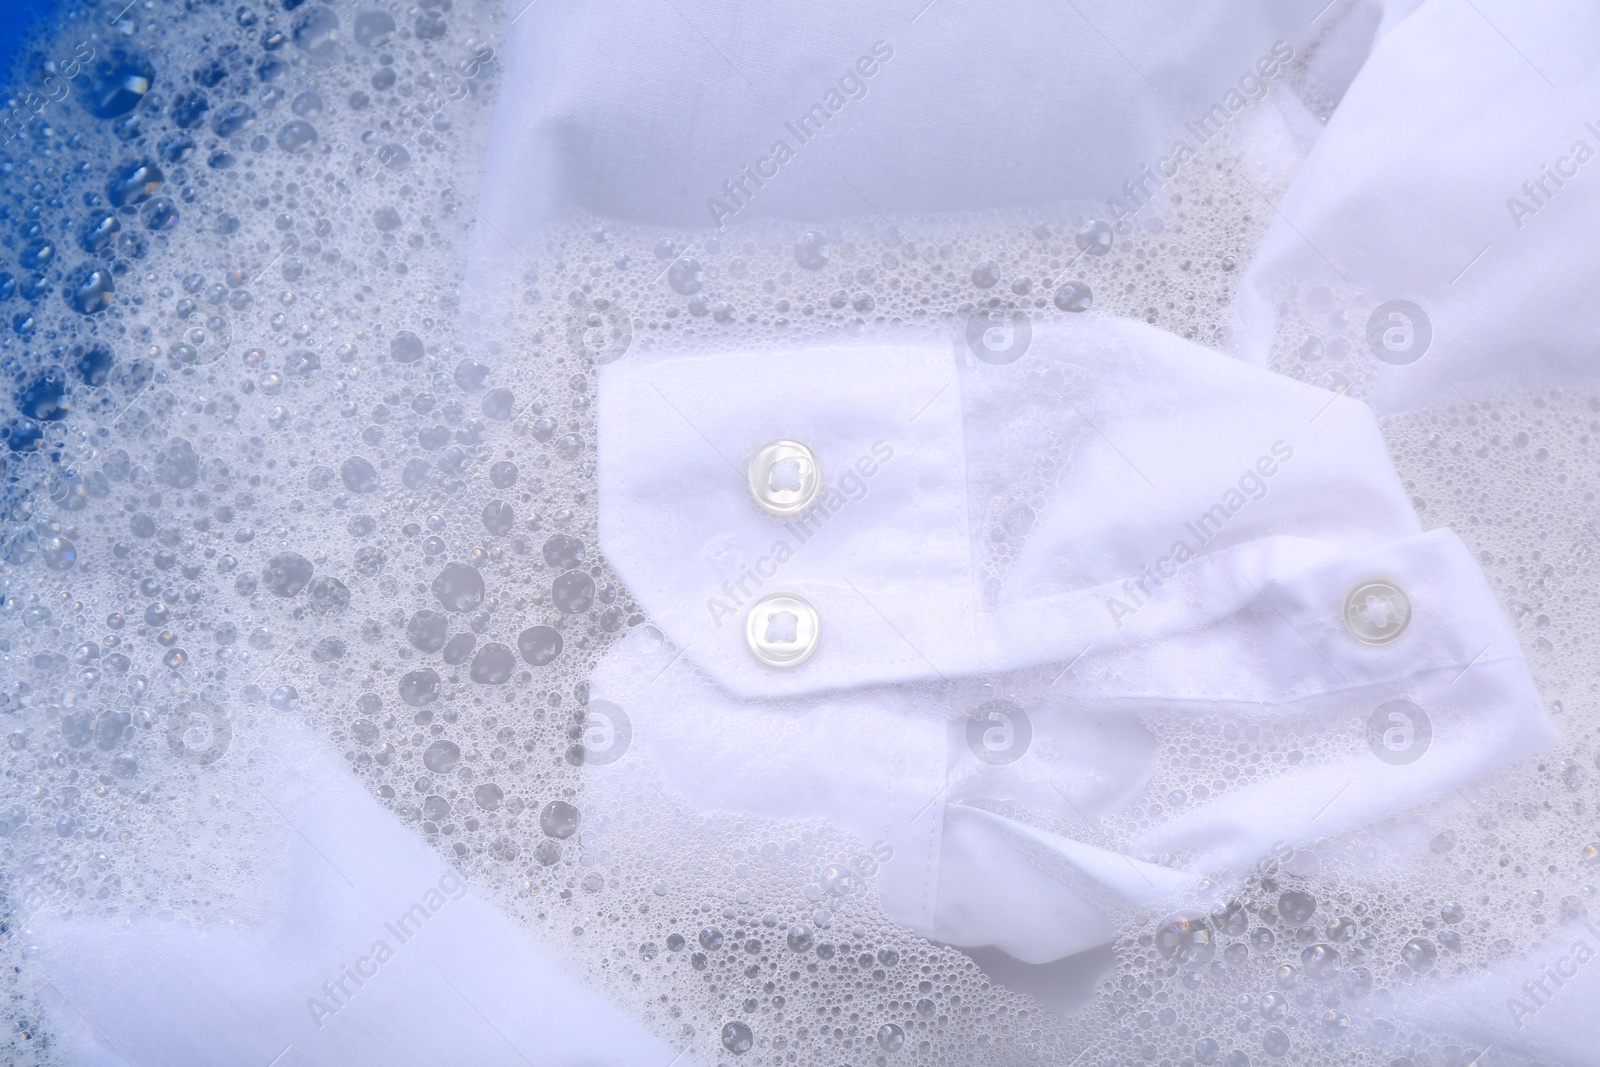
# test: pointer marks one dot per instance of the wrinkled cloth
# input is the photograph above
(921, 621)
(1195, 527)
(1459, 174)
(381, 954)
(1539, 1005)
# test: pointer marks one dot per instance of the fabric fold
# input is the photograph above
(376, 952)
(1437, 234)
(1129, 484)
(1202, 542)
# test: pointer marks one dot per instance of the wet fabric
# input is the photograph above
(1449, 199)
(1201, 529)
(708, 114)
(374, 951)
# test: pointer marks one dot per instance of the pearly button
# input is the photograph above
(1376, 612)
(782, 630)
(784, 477)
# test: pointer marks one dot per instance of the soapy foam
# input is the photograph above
(290, 422)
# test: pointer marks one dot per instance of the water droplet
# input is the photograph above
(233, 120)
(1074, 296)
(58, 553)
(1186, 939)
(287, 574)
(359, 475)
(315, 29)
(559, 819)
(503, 475)
(373, 28)
(563, 552)
(406, 347)
(1275, 1041)
(99, 231)
(493, 665)
(160, 214)
(92, 292)
(45, 400)
(1419, 954)
(573, 592)
(436, 809)
(442, 756)
(686, 275)
(427, 630)
(1320, 962)
(297, 135)
(471, 376)
(811, 250)
(37, 254)
(134, 183)
(498, 517)
(189, 110)
(1296, 907)
(1094, 237)
(115, 84)
(420, 688)
(539, 645)
(498, 404)
(430, 26)
(459, 587)
(176, 149)
(736, 1038)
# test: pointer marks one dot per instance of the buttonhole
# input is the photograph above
(782, 627)
(784, 475)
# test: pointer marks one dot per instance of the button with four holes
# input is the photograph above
(1377, 612)
(783, 630)
(785, 477)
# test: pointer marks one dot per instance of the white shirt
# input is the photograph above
(1197, 538)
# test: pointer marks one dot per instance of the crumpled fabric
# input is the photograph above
(647, 117)
(379, 953)
(1194, 530)
(1443, 215)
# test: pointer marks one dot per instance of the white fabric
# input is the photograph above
(456, 983)
(1416, 191)
(971, 104)
(971, 107)
(1539, 1005)
(1449, 176)
(1152, 432)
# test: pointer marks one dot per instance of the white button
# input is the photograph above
(782, 630)
(1377, 612)
(784, 477)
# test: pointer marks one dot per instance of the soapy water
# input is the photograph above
(265, 459)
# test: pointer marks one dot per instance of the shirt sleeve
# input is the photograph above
(1211, 544)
